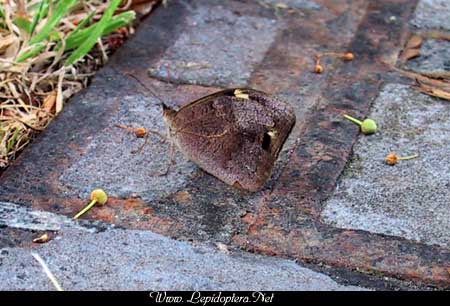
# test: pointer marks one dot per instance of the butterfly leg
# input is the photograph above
(142, 146)
(147, 132)
(161, 135)
(170, 162)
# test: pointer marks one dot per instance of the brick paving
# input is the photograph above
(190, 49)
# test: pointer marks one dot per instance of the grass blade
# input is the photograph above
(35, 49)
(61, 9)
(39, 15)
(82, 23)
(47, 271)
(87, 45)
(77, 30)
(23, 24)
(121, 20)
(12, 141)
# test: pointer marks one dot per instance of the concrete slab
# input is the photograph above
(138, 260)
(432, 14)
(434, 58)
(410, 199)
(87, 255)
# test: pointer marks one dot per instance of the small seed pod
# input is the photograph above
(391, 159)
(42, 239)
(100, 196)
(348, 56)
(318, 69)
(140, 132)
(97, 196)
(368, 126)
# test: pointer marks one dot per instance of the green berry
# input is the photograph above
(368, 126)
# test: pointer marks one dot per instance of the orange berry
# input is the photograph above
(140, 132)
(318, 69)
(391, 159)
(348, 56)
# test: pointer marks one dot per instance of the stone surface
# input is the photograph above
(24, 218)
(434, 58)
(218, 47)
(292, 4)
(410, 199)
(18, 216)
(110, 160)
(432, 14)
(137, 260)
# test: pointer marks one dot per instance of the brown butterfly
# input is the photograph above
(235, 134)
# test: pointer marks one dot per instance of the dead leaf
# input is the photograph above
(432, 91)
(409, 54)
(42, 239)
(49, 102)
(412, 48)
(5, 42)
(438, 74)
(428, 79)
(436, 35)
(143, 8)
(21, 9)
(414, 42)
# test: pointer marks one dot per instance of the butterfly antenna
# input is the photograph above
(152, 92)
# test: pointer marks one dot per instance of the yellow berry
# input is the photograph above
(100, 196)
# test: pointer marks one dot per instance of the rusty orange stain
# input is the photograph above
(105, 214)
(183, 197)
(248, 218)
(148, 211)
(131, 204)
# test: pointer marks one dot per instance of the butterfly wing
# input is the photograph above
(235, 134)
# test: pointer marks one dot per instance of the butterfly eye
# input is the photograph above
(266, 141)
